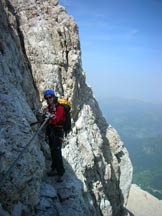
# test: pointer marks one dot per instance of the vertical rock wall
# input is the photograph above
(40, 49)
(18, 100)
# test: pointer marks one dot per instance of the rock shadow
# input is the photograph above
(66, 198)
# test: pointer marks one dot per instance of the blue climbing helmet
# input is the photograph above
(49, 92)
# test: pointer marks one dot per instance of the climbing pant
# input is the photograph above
(55, 137)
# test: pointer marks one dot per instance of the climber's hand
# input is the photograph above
(49, 115)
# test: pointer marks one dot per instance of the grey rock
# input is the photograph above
(3, 212)
(48, 191)
(44, 204)
(19, 209)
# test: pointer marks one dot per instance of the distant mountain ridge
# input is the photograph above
(140, 126)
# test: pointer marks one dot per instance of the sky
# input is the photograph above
(121, 45)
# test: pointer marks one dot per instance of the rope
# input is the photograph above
(2, 180)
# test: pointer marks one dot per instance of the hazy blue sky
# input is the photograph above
(121, 43)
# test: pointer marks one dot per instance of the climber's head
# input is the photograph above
(49, 95)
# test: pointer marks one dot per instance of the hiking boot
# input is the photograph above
(60, 179)
(52, 173)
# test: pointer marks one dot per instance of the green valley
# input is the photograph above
(139, 125)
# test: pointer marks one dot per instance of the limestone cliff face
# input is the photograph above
(39, 49)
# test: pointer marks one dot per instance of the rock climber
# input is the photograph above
(55, 133)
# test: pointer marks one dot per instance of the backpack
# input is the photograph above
(67, 107)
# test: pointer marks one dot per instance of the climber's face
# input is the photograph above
(49, 99)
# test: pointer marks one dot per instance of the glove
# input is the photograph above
(49, 115)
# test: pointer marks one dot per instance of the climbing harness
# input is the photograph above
(47, 117)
